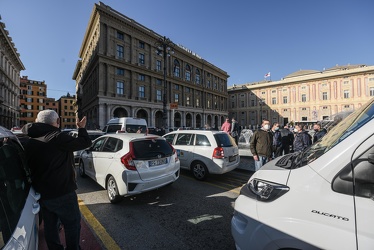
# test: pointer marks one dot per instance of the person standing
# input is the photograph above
(49, 153)
(318, 132)
(302, 139)
(226, 126)
(235, 130)
(287, 140)
(261, 145)
(277, 140)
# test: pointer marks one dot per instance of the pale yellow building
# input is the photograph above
(305, 96)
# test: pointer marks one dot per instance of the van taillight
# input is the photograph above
(128, 159)
(218, 153)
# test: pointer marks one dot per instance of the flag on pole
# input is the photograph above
(267, 75)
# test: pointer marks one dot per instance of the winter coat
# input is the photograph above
(49, 154)
(261, 143)
(319, 134)
(302, 140)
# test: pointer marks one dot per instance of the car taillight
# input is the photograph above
(218, 153)
(128, 159)
(175, 153)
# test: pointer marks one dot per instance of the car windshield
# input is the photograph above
(341, 130)
(151, 149)
(224, 140)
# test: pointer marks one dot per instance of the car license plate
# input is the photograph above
(157, 162)
(232, 158)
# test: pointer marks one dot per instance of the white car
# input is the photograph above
(205, 152)
(92, 134)
(127, 164)
(320, 198)
(19, 207)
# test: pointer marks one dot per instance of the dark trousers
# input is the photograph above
(277, 151)
(66, 210)
(285, 149)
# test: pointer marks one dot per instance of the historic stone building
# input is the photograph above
(121, 73)
(10, 67)
(306, 96)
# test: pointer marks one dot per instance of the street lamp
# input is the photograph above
(164, 48)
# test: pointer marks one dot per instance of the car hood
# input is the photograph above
(271, 172)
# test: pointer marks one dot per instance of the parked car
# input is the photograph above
(320, 198)
(205, 152)
(19, 207)
(126, 125)
(93, 134)
(127, 164)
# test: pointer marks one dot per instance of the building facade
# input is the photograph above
(121, 73)
(306, 96)
(51, 103)
(10, 68)
(32, 99)
(67, 112)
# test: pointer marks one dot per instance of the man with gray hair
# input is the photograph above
(50, 157)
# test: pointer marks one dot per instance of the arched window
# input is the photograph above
(188, 73)
(176, 68)
(197, 76)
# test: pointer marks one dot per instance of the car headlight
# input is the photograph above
(263, 190)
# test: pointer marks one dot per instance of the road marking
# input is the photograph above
(233, 190)
(99, 230)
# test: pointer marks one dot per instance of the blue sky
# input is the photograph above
(246, 38)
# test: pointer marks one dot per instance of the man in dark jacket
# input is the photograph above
(261, 145)
(277, 140)
(318, 132)
(50, 157)
(302, 139)
(287, 140)
(235, 131)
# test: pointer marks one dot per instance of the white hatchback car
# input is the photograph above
(93, 134)
(205, 152)
(19, 207)
(128, 164)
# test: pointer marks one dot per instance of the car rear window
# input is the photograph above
(224, 140)
(150, 149)
(113, 128)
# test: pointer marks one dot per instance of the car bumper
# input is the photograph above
(222, 166)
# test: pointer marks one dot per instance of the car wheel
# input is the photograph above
(81, 171)
(112, 190)
(199, 170)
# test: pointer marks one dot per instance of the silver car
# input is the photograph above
(19, 218)
(127, 164)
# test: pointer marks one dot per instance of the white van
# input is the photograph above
(126, 125)
(320, 198)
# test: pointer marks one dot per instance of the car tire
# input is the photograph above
(199, 170)
(81, 171)
(112, 190)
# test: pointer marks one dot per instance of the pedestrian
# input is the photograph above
(318, 132)
(277, 140)
(49, 153)
(302, 139)
(226, 126)
(261, 145)
(287, 140)
(235, 130)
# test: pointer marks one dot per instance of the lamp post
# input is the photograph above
(164, 48)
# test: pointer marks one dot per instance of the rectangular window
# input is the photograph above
(120, 72)
(141, 44)
(158, 65)
(197, 79)
(284, 99)
(28, 99)
(346, 94)
(303, 97)
(141, 91)
(304, 118)
(120, 35)
(242, 104)
(120, 52)
(158, 81)
(141, 77)
(158, 95)
(176, 86)
(120, 88)
(274, 100)
(40, 100)
(324, 96)
(371, 91)
(188, 101)
(141, 58)
(197, 102)
(176, 98)
(252, 103)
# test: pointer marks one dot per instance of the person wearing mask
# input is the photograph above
(226, 126)
(302, 139)
(235, 130)
(287, 140)
(261, 145)
(49, 154)
(318, 132)
(277, 140)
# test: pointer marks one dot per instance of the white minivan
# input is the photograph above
(126, 125)
(320, 198)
